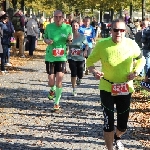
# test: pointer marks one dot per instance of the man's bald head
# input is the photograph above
(58, 17)
(58, 12)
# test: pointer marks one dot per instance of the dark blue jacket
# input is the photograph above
(6, 34)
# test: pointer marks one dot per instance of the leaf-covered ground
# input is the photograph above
(140, 105)
(17, 62)
(141, 113)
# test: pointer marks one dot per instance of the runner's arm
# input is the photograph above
(47, 40)
(140, 59)
(70, 34)
(85, 43)
(94, 57)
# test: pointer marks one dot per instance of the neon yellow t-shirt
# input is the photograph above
(59, 35)
(117, 61)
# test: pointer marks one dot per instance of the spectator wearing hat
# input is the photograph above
(32, 32)
(18, 21)
(5, 41)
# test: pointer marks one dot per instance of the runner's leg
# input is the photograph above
(60, 68)
(50, 68)
(88, 53)
(80, 68)
(107, 102)
(73, 68)
(123, 108)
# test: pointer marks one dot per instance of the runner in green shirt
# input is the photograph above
(56, 35)
(117, 55)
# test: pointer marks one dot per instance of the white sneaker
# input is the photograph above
(74, 93)
(119, 145)
(22, 56)
(8, 64)
(4, 72)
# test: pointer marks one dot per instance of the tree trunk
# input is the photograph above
(22, 5)
(121, 12)
(5, 5)
(131, 10)
(101, 15)
(111, 14)
(143, 9)
(14, 3)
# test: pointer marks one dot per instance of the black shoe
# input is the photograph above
(78, 81)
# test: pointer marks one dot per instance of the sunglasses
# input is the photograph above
(117, 30)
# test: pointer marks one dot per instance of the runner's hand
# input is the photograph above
(131, 76)
(98, 75)
(69, 37)
(49, 42)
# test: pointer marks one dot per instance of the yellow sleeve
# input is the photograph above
(46, 33)
(140, 59)
(44, 25)
(94, 56)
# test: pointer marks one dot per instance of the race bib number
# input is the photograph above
(120, 89)
(75, 52)
(58, 52)
(87, 32)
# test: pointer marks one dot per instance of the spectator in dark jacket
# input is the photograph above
(146, 45)
(146, 83)
(5, 41)
(11, 30)
(132, 28)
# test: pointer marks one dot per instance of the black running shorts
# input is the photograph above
(54, 67)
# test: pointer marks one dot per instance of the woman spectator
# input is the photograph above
(32, 31)
(76, 56)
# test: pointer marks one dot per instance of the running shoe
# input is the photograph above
(56, 107)
(119, 145)
(4, 72)
(74, 93)
(51, 95)
(8, 64)
(78, 81)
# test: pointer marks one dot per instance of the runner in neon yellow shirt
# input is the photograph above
(117, 55)
(56, 36)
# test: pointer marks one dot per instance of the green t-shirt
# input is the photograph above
(117, 61)
(59, 35)
(76, 48)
